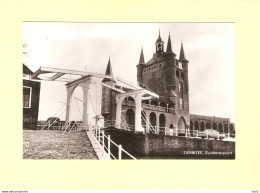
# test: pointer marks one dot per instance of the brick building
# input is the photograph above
(202, 122)
(31, 98)
(167, 76)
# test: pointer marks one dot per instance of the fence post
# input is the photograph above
(108, 145)
(120, 152)
(218, 135)
(103, 139)
(186, 132)
(99, 135)
(176, 131)
(228, 135)
(207, 134)
(165, 130)
(197, 133)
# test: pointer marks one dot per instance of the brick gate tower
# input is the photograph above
(167, 76)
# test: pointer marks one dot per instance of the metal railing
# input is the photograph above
(109, 123)
(150, 107)
(105, 142)
(55, 125)
(151, 127)
(71, 126)
(162, 130)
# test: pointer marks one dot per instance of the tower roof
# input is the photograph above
(169, 45)
(141, 60)
(109, 72)
(182, 54)
(159, 39)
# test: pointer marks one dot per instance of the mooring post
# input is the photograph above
(119, 152)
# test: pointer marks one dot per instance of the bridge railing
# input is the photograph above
(150, 107)
(191, 133)
(178, 132)
(106, 142)
(55, 125)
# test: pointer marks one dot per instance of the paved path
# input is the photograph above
(55, 145)
(101, 154)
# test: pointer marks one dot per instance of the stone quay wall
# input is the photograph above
(160, 145)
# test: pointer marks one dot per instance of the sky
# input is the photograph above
(209, 47)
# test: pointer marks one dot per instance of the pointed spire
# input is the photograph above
(159, 44)
(141, 60)
(159, 39)
(169, 44)
(182, 54)
(109, 71)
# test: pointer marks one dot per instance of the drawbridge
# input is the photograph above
(91, 84)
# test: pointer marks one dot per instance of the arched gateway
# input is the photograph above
(138, 96)
(92, 88)
(181, 125)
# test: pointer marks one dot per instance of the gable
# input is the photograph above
(26, 70)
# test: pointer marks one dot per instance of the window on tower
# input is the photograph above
(159, 46)
(181, 95)
(177, 73)
(182, 75)
(180, 65)
(180, 87)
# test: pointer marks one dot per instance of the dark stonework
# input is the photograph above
(30, 115)
(159, 75)
(108, 109)
(170, 146)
